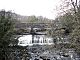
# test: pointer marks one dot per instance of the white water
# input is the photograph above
(39, 39)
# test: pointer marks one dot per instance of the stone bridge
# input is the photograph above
(34, 25)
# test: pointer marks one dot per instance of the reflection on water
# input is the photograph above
(38, 39)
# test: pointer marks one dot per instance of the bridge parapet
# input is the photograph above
(35, 25)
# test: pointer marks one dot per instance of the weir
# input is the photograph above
(37, 38)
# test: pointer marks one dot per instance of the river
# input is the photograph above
(41, 49)
(38, 39)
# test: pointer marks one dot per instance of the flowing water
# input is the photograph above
(40, 49)
(38, 39)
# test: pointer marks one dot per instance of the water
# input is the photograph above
(39, 39)
(40, 50)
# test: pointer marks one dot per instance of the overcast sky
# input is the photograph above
(43, 8)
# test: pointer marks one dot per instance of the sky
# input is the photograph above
(45, 8)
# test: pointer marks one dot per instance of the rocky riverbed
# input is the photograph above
(44, 53)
